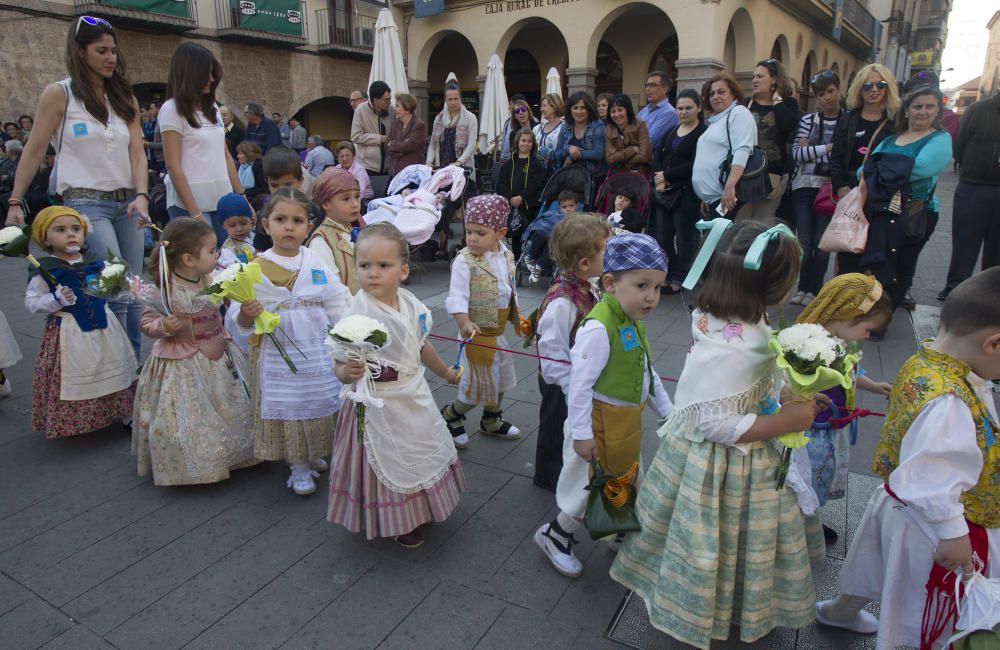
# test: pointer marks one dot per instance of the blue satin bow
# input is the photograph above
(716, 228)
(755, 254)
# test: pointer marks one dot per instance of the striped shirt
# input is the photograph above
(817, 129)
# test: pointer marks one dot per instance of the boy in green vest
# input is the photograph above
(938, 512)
(611, 379)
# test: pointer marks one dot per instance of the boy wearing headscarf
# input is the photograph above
(611, 381)
(337, 193)
(482, 300)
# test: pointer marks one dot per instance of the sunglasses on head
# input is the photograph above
(90, 20)
(868, 85)
(826, 74)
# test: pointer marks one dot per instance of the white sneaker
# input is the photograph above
(560, 555)
(301, 481)
(319, 465)
(5, 388)
(615, 543)
(534, 270)
(808, 298)
(461, 440)
(796, 298)
(863, 623)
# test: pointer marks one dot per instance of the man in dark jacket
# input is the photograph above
(975, 219)
(260, 128)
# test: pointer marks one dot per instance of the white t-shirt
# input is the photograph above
(203, 157)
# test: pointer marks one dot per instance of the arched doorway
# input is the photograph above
(780, 50)
(522, 73)
(806, 99)
(452, 54)
(740, 51)
(327, 117)
(530, 48)
(609, 70)
(149, 92)
(644, 39)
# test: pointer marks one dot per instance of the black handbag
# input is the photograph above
(669, 198)
(915, 213)
(603, 518)
(755, 183)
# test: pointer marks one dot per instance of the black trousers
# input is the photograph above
(551, 416)
(975, 224)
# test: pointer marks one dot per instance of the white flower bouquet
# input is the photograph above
(113, 283)
(359, 338)
(14, 241)
(813, 360)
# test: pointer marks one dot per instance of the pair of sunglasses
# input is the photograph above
(93, 22)
(868, 85)
(826, 74)
(520, 109)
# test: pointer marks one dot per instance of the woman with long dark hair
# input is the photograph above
(581, 140)
(200, 168)
(92, 119)
(520, 182)
(677, 207)
(626, 137)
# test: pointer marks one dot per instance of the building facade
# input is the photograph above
(611, 45)
(293, 57)
(990, 79)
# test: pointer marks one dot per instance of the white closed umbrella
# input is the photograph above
(387, 57)
(451, 77)
(553, 85)
(495, 110)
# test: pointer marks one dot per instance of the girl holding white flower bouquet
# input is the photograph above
(720, 545)
(849, 307)
(403, 471)
(192, 416)
(294, 393)
(86, 366)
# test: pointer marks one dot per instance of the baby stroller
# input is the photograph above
(630, 182)
(574, 177)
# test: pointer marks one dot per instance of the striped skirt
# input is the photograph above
(358, 501)
(719, 545)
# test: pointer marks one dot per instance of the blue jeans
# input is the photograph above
(810, 228)
(114, 231)
(175, 211)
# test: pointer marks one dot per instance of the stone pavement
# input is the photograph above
(93, 556)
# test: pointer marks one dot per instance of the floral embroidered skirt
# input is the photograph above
(719, 545)
(192, 421)
(58, 418)
(358, 501)
(294, 441)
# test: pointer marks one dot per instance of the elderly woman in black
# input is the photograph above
(677, 207)
(521, 180)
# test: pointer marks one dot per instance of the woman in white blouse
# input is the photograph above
(92, 121)
(200, 169)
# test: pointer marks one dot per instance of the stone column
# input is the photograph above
(581, 79)
(481, 84)
(420, 91)
(693, 73)
(746, 81)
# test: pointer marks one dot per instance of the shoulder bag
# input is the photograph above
(847, 231)
(754, 184)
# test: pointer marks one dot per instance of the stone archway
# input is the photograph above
(740, 50)
(640, 33)
(609, 70)
(451, 53)
(781, 51)
(809, 68)
(328, 117)
(534, 41)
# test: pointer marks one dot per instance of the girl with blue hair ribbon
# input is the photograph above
(720, 545)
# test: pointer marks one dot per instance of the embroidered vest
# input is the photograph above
(924, 376)
(570, 287)
(623, 375)
(338, 238)
(88, 311)
(484, 290)
(244, 254)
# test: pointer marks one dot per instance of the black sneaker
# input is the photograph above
(909, 303)
(943, 294)
(829, 535)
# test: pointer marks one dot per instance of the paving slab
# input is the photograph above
(470, 615)
(32, 624)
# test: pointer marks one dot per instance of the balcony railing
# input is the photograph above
(861, 18)
(168, 15)
(354, 32)
(242, 20)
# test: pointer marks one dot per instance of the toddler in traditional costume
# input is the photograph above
(482, 300)
(86, 367)
(294, 411)
(336, 192)
(192, 416)
(720, 545)
(404, 472)
(577, 246)
(238, 220)
(938, 514)
(612, 379)
(849, 306)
